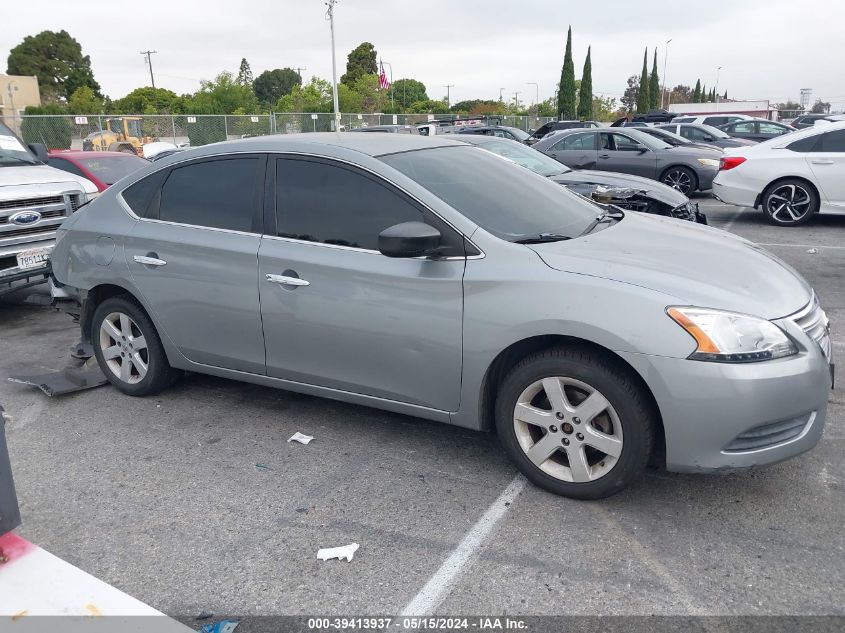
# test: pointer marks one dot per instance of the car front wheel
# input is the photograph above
(574, 423)
(790, 203)
(128, 348)
(680, 178)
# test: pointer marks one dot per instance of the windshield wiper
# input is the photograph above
(607, 216)
(19, 160)
(542, 238)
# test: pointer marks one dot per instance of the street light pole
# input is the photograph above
(330, 17)
(501, 90)
(536, 92)
(448, 94)
(717, 84)
(516, 99)
(665, 60)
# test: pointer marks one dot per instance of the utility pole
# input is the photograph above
(150, 64)
(501, 90)
(299, 71)
(665, 59)
(516, 99)
(448, 94)
(718, 70)
(536, 91)
(330, 17)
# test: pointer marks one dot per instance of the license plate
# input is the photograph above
(33, 259)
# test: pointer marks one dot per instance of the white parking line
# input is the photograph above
(441, 582)
(730, 223)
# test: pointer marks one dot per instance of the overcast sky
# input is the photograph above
(769, 49)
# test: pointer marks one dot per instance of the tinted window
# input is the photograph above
(140, 195)
(65, 165)
(319, 202)
(110, 169)
(696, 134)
(683, 119)
(746, 127)
(218, 193)
(771, 128)
(833, 141)
(526, 156)
(624, 143)
(578, 142)
(807, 144)
(716, 120)
(505, 199)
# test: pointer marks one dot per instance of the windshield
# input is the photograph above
(110, 169)
(525, 156)
(12, 151)
(649, 141)
(507, 201)
(669, 137)
(714, 131)
(519, 134)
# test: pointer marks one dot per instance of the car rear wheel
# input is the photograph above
(790, 202)
(574, 423)
(128, 348)
(681, 178)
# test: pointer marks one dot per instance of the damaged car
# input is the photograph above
(628, 192)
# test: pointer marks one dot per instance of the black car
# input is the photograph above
(808, 120)
(705, 135)
(553, 126)
(628, 192)
(502, 131)
(756, 129)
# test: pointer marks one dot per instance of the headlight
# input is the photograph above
(728, 337)
(708, 162)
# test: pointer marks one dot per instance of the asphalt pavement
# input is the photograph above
(193, 500)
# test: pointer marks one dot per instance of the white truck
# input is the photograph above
(34, 200)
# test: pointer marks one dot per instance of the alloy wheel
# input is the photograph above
(568, 429)
(124, 348)
(678, 179)
(789, 203)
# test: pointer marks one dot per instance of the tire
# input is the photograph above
(682, 179)
(790, 202)
(620, 422)
(136, 364)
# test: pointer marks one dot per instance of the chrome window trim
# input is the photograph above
(282, 153)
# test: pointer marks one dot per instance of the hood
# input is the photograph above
(697, 265)
(42, 175)
(736, 142)
(696, 152)
(651, 188)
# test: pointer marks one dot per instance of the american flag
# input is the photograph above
(383, 83)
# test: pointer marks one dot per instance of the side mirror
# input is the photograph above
(642, 149)
(709, 139)
(40, 151)
(408, 239)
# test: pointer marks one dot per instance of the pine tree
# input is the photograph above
(566, 90)
(654, 85)
(704, 94)
(644, 98)
(725, 98)
(696, 94)
(244, 73)
(585, 101)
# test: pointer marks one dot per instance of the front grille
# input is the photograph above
(31, 230)
(814, 322)
(45, 215)
(30, 202)
(767, 435)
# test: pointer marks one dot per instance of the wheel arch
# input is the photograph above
(780, 179)
(514, 353)
(687, 167)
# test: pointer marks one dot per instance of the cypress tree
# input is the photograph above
(654, 85)
(704, 95)
(696, 94)
(566, 90)
(585, 101)
(644, 99)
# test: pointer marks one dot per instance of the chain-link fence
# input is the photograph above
(115, 132)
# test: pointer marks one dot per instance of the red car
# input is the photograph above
(101, 168)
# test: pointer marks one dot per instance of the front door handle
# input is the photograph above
(822, 161)
(604, 155)
(287, 281)
(149, 261)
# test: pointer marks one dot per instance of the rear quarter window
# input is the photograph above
(140, 195)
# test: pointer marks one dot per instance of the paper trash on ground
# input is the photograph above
(300, 437)
(340, 553)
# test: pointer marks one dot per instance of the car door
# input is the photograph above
(827, 161)
(578, 151)
(622, 153)
(339, 314)
(743, 129)
(193, 255)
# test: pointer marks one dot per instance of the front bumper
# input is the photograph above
(705, 177)
(719, 416)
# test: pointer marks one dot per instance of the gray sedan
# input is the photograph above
(700, 133)
(432, 278)
(632, 152)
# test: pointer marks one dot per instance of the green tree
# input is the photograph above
(372, 99)
(272, 85)
(55, 133)
(223, 95)
(56, 59)
(429, 106)
(407, 91)
(348, 100)
(84, 101)
(566, 89)
(604, 108)
(680, 94)
(361, 61)
(585, 100)
(315, 96)
(704, 94)
(696, 94)
(819, 107)
(725, 98)
(149, 100)
(644, 98)
(244, 73)
(631, 94)
(654, 86)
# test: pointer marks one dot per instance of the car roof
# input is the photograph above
(369, 144)
(73, 154)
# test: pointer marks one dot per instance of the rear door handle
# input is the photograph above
(149, 261)
(287, 281)
(822, 161)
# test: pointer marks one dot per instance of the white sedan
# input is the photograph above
(791, 177)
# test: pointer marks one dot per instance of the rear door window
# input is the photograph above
(833, 141)
(139, 197)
